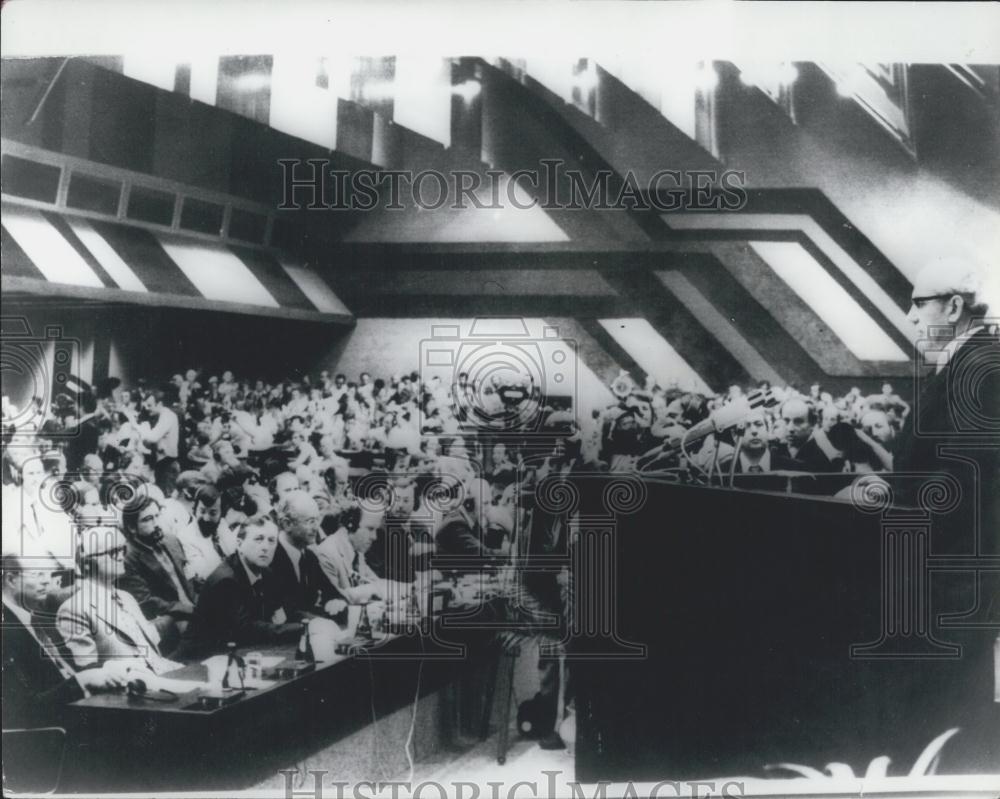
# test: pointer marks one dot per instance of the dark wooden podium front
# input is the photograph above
(764, 620)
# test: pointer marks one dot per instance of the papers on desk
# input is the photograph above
(155, 683)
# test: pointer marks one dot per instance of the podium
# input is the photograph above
(784, 627)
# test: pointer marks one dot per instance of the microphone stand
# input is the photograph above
(736, 455)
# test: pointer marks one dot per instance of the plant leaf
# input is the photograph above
(878, 768)
(840, 770)
(927, 762)
(803, 771)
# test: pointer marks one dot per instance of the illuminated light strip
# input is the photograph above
(654, 354)
(827, 245)
(150, 68)
(48, 249)
(105, 254)
(828, 300)
(719, 326)
(315, 288)
(217, 273)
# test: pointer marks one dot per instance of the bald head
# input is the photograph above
(298, 516)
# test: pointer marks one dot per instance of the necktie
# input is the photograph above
(755, 469)
(355, 570)
(38, 525)
(258, 595)
(131, 621)
(167, 563)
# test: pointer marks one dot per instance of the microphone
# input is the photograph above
(137, 689)
(730, 415)
(718, 420)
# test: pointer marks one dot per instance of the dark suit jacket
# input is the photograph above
(305, 596)
(809, 458)
(230, 609)
(957, 407)
(459, 534)
(147, 580)
(946, 407)
(780, 461)
(34, 690)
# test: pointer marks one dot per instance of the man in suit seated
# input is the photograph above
(757, 455)
(101, 624)
(299, 578)
(241, 601)
(155, 572)
(805, 442)
(38, 679)
(342, 556)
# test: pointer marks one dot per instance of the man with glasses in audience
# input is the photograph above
(101, 624)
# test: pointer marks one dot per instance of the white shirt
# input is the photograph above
(35, 530)
(164, 434)
(764, 463)
(202, 557)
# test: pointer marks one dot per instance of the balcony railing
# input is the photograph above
(52, 181)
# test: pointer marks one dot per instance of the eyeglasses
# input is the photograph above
(919, 302)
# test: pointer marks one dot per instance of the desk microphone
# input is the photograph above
(137, 689)
(729, 415)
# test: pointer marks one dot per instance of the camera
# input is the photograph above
(512, 374)
(35, 370)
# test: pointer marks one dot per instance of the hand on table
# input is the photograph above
(101, 679)
(334, 606)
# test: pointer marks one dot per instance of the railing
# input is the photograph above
(52, 181)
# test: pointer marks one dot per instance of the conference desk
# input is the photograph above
(124, 743)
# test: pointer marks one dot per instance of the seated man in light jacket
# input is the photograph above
(342, 556)
(102, 625)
